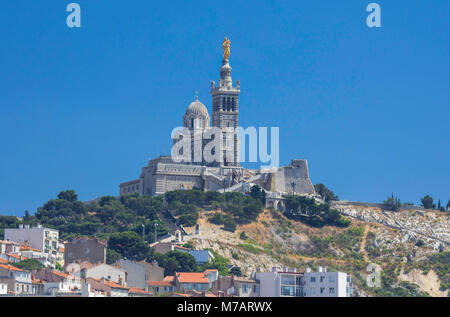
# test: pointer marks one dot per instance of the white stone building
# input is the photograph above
(290, 283)
(40, 238)
(224, 173)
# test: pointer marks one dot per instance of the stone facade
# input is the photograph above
(164, 174)
(85, 249)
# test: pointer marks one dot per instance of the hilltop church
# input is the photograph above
(166, 173)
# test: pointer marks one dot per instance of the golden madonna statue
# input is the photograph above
(226, 49)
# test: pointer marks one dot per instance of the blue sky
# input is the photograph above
(86, 108)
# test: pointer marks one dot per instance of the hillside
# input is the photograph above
(403, 244)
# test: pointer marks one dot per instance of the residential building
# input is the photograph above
(7, 246)
(108, 272)
(111, 289)
(139, 273)
(12, 257)
(38, 237)
(88, 291)
(161, 287)
(84, 249)
(326, 284)
(3, 289)
(283, 283)
(138, 292)
(289, 283)
(19, 281)
(235, 286)
(56, 283)
(195, 281)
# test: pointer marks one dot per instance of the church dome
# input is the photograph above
(197, 108)
(196, 116)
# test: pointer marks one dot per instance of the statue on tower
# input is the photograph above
(226, 49)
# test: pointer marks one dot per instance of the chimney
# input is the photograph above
(308, 269)
(320, 269)
(286, 269)
(120, 281)
(294, 270)
(324, 268)
(274, 269)
(20, 226)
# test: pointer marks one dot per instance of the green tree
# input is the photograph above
(427, 202)
(326, 194)
(392, 203)
(130, 245)
(258, 193)
(29, 265)
(68, 195)
(219, 263)
(236, 270)
(175, 261)
(112, 256)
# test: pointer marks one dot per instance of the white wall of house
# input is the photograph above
(325, 284)
(268, 282)
(3, 289)
(106, 271)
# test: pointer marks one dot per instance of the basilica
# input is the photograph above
(166, 173)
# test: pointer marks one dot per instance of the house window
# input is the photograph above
(331, 290)
(332, 279)
(322, 278)
(245, 288)
(313, 279)
(254, 288)
(322, 290)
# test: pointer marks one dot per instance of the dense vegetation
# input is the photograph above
(440, 263)
(7, 222)
(28, 264)
(103, 217)
(324, 192)
(177, 261)
(306, 210)
(392, 203)
(240, 208)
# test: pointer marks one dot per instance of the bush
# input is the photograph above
(306, 210)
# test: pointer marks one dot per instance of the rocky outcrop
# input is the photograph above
(431, 227)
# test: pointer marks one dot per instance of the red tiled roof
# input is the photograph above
(65, 275)
(185, 277)
(115, 285)
(159, 283)
(11, 268)
(16, 256)
(139, 290)
(182, 295)
(28, 248)
(3, 261)
(169, 278)
(181, 247)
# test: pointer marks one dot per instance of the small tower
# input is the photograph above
(225, 104)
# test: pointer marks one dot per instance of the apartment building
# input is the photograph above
(19, 281)
(290, 283)
(235, 286)
(280, 283)
(40, 238)
(327, 284)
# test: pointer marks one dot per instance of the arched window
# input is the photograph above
(192, 122)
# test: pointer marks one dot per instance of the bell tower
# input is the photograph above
(225, 108)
